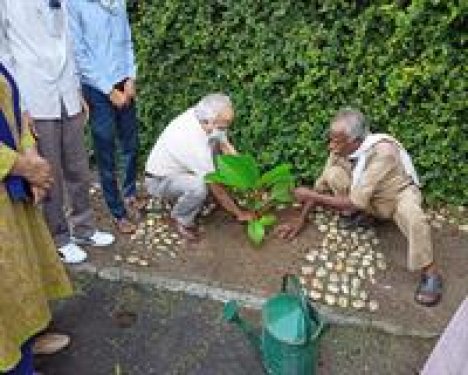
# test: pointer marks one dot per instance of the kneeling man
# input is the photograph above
(183, 155)
(373, 173)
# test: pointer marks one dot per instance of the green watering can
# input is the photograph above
(291, 328)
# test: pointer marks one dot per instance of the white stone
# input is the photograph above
(334, 278)
(333, 288)
(323, 228)
(317, 284)
(355, 282)
(345, 288)
(361, 273)
(315, 295)
(363, 295)
(321, 272)
(358, 304)
(463, 227)
(132, 259)
(343, 301)
(373, 305)
(381, 264)
(330, 299)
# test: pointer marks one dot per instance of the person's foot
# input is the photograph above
(189, 233)
(98, 239)
(136, 203)
(50, 343)
(429, 291)
(71, 253)
(125, 226)
(135, 207)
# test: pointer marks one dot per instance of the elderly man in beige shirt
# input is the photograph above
(373, 174)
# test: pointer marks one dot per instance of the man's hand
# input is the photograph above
(38, 194)
(243, 216)
(34, 168)
(130, 90)
(118, 98)
(304, 194)
(290, 230)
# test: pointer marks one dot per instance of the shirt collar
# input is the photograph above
(110, 5)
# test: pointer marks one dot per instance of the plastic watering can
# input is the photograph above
(290, 330)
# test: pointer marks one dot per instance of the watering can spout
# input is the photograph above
(231, 315)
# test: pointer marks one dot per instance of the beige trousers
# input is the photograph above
(408, 216)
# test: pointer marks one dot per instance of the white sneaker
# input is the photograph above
(98, 239)
(72, 253)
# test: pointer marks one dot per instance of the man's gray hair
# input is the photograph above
(211, 105)
(353, 123)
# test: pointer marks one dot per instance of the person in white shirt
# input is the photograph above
(183, 155)
(35, 46)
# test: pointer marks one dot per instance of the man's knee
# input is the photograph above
(198, 190)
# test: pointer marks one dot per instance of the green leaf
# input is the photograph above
(215, 178)
(267, 220)
(281, 193)
(281, 173)
(239, 171)
(256, 231)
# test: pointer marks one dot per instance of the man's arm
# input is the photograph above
(227, 148)
(130, 54)
(85, 66)
(340, 203)
(228, 204)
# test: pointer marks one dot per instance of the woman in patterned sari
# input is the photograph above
(31, 271)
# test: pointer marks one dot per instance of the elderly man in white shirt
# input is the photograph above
(183, 155)
(35, 46)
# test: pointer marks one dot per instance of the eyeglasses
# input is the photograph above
(55, 4)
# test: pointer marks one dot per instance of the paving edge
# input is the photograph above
(248, 300)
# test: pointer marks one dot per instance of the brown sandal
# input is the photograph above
(136, 203)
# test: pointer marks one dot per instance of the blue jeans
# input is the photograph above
(107, 123)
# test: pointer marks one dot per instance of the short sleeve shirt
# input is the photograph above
(383, 178)
(183, 147)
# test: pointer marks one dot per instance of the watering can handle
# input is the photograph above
(306, 304)
(287, 280)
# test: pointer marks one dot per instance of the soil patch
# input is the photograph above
(225, 257)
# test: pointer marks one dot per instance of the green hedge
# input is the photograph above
(290, 64)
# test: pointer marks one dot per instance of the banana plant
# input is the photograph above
(261, 192)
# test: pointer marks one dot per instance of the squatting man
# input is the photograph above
(373, 175)
(183, 155)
